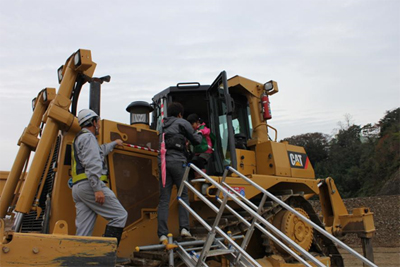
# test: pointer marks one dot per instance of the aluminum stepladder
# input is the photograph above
(240, 257)
(235, 253)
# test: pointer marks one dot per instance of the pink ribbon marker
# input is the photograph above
(163, 151)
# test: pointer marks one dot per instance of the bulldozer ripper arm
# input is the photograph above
(339, 222)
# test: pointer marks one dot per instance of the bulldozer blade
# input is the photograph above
(31, 249)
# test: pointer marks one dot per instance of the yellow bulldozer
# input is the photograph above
(249, 207)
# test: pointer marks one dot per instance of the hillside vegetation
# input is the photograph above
(363, 160)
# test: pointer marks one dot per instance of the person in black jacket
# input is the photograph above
(177, 131)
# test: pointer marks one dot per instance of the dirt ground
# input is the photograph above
(386, 242)
(383, 257)
(386, 211)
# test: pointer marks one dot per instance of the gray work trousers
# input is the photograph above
(175, 172)
(87, 208)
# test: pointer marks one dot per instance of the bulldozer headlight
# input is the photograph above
(268, 86)
(77, 58)
(33, 103)
(44, 95)
(83, 61)
(48, 94)
(60, 73)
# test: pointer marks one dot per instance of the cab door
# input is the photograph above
(220, 114)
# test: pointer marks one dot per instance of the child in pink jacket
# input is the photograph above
(203, 151)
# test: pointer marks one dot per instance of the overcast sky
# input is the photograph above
(330, 58)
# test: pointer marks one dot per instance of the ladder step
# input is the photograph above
(222, 223)
(217, 252)
(199, 248)
(198, 230)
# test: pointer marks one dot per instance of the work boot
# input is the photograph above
(116, 232)
(163, 239)
(112, 231)
(185, 233)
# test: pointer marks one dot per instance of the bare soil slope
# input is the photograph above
(386, 241)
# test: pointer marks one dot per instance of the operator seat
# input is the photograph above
(241, 141)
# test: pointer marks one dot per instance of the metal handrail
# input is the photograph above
(254, 214)
(250, 230)
(204, 223)
(276, 131)
(183, 244)
(311, 223)
(244, 221)
(254, 223)
(271, 236)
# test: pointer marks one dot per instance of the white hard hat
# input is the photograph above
(85, 115)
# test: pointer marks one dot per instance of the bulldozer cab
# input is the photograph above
(227, 116)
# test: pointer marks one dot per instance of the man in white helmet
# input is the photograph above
(89, 175)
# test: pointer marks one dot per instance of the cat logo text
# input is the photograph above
(298, 160)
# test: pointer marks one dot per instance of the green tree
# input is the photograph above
(362, 160)
(390, 123)
(344, 160)
(387, 149)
